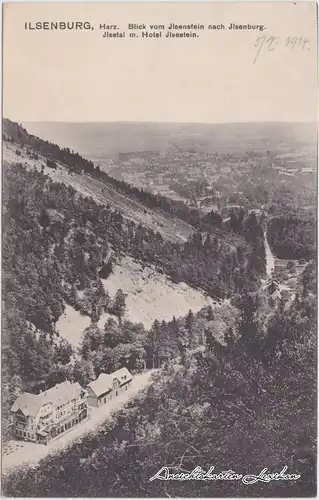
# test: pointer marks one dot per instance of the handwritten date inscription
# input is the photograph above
(270, 43)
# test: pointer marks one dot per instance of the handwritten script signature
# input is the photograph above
(268, 43)
(198, 474)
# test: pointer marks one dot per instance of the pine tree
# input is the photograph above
(230, 338)
(119, 305)
(44, 219)
(248, 328)
(189, 321)
(210, 313)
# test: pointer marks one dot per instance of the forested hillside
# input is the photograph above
(293, 236)
(15, 133)
(58, 247)
(76, 163)
(244, 406)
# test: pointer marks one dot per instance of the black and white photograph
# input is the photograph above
(159, 250)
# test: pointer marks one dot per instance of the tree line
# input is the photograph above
(293, 236)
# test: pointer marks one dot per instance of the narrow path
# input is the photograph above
(270, 266)
(17, 453)
(270, 260)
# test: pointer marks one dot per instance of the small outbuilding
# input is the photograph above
(108, 386)
(99, 391)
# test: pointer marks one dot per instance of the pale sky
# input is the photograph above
(80, 76)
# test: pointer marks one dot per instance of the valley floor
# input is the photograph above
(26, 454)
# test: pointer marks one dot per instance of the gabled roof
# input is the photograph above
(30, 404)
(61, 393)
(122, 375)
(104, 382)
(101, 385)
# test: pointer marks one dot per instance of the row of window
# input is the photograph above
(32, 427)
(47, 407)
(116, 394)
(64, 404)
(60, 414)
(28, 435)
(31, 435)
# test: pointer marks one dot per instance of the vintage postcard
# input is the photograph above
(159, 207)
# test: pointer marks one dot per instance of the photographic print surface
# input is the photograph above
(159, 251)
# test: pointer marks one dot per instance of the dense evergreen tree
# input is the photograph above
(293, 236)
(118, 306)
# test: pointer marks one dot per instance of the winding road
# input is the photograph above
(270, 260)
